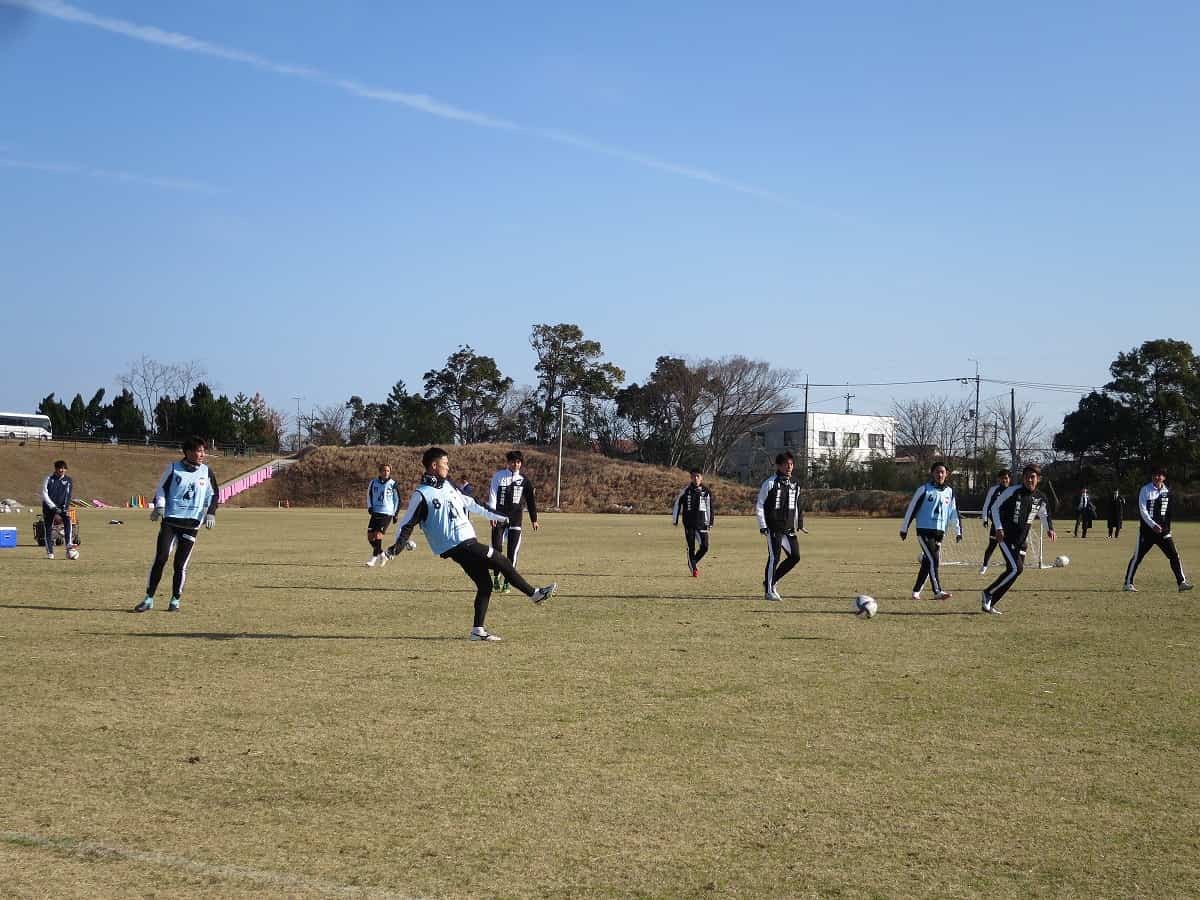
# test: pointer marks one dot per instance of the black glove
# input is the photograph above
(395, 519)
(958, 539)
(904, 535)
(764, 531)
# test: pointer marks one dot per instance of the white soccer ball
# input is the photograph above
(1061, 561)
(72, 553)
(865, 605)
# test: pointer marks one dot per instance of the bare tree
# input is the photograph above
(919, 427)
(187, 375)
(150, 380)
(739, 394)
(600, 422)
(328, 425)
(934, 427)
(518, 418)
(1030, 430)
(955, 429)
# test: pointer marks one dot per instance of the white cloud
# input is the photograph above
(420, 102)
(66, 168)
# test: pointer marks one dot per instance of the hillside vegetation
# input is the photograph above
(109, 472)
(338, 476)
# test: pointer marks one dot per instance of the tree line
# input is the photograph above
(685, 413)
(166, 402)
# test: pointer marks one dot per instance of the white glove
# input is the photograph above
(210, 521)
(410, 545)
(155, 514)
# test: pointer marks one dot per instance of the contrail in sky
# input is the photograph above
(173, 40)
(65, 168)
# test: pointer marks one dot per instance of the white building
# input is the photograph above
(859, 438)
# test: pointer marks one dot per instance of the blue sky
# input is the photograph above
(321, 199)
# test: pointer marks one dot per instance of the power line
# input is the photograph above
(847, 384)
(966, 379)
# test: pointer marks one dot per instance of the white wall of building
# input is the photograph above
(842, 430)
(785, 431)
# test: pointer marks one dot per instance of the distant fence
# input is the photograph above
(235, 487)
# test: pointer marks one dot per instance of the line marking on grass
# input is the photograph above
(91, 849)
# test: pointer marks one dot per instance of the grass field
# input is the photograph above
(309, 727)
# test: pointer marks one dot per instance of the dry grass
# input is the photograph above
(338, 477)
(110, 473)
(308, 727)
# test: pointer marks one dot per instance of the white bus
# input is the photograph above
(25, 426)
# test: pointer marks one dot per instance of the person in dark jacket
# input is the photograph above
(56, 501)
(1085, 512)
(695, 504)
(1116, 513)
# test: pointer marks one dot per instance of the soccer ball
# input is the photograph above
(72, 553)
(1061, 561)
(865, 606)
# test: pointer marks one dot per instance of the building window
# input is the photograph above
(875, 442)
(791, 439)
(850, 439)
(758, 439)
(826, 439)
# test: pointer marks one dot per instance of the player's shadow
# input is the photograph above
(48, 608)
(271, 636)
(805, 637)
(1075, 590)
(688, 598)
(930, 612)
(279, 562)
(369, 589)
(791, 611)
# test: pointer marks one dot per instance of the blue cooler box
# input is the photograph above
(8, 536)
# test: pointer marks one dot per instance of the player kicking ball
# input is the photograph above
(442, 512)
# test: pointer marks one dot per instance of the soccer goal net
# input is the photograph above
(969, 552)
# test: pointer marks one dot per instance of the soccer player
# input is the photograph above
(1154, 509)
(56, 500)
(779, 518)
(1116, 513)
(1003, 480)
(1012, 514)
(1085, 512)
(383, 506)
(933, 506)
(186, 497)
(695, 502)
(442, 512)
(511, 490)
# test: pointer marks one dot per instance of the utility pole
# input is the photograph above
(1012, 431)
(562, 418)
(975, 423)
(849, 397)
(297, 399)
(804, 452)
